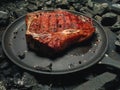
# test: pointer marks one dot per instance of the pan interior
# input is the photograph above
(74, 58)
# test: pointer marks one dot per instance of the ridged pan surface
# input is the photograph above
(74, 58)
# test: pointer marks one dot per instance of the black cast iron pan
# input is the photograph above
(75, 58)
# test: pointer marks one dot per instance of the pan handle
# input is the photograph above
(109, 61)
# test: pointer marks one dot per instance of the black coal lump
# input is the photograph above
(31, 8)
(41, 87)
(77, 6)
(2, 87)
(117, 44)
(115, 27)
(4, 18)
(19, 12)
(28, 80)
(4, 65)
(49, 3)
(62, 6)
(33, 2)
(109, 19)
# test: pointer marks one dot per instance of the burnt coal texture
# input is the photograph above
(109, 19)
(4, 18)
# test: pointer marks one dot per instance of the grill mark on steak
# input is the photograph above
(57, 29)
(67, 21)
(34, 26)
(52, 23)
(44, 22)
(60, 24)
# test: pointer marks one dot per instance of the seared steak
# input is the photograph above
(57, 29)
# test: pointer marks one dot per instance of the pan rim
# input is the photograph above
(59, 72)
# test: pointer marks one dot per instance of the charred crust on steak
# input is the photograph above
(50, 32)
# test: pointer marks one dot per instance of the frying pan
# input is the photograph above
(75, 58)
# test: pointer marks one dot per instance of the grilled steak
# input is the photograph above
(56, 29)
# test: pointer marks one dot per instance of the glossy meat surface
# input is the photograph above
(57, 29)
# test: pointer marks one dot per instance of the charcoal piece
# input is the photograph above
(62, 6)
(40, 5)
(100, 8)
(15, 70)
(2, 87)
(113, 84)
(14, 89)
(32, 7)
(47, 8)
(83, 2)
(109, 19)
(41, 87)
(83, 9)
(3, 8)
(2, 77)
(11, 7)
(21, 4)
(28, 80)
(97, 82)
(98, 18)
(48, 3)
(118, 37)
(115, 8)
(8, 82)
(4, 65)
(17, 75)
(19, 12)
(118, 32)
(18, 82)
(114, 1)
(2, 55)
(58, 1)
(90, 4)
(77, 6)
(7, 72)
(46, 87)
(72, 1)
(37, 87)
(117, 44)
(71, 8)
(115, 27)
(17, 79)
(33, 2)
(4, 18)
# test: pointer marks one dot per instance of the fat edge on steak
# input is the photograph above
(56, 30)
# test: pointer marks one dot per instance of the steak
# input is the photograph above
(56, 29)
